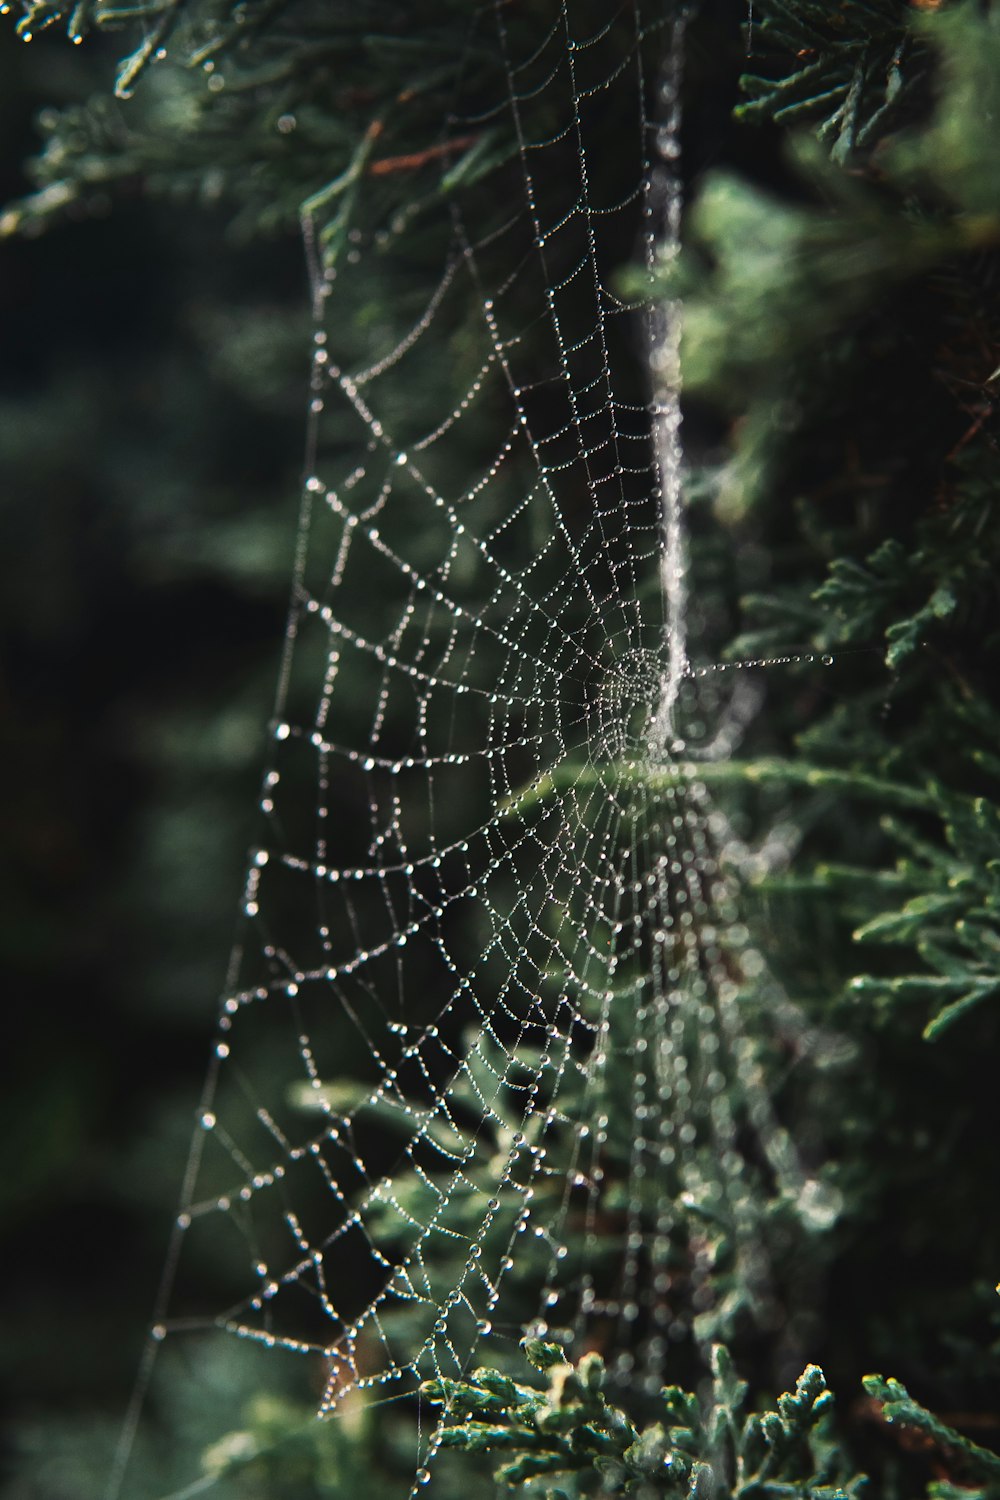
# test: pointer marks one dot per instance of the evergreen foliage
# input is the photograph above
(566, 1440)
(849, 70)
(274, 110)
(842, 350)
(979, 1468)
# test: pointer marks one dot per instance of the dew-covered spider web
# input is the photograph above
(484, 1061)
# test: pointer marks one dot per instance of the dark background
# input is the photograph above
(148, 492)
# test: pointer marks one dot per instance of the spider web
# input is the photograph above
(481, 1063)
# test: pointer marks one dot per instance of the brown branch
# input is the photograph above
(414, 160)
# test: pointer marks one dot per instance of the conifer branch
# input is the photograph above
(569, 1427)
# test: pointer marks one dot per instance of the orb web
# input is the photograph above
(482, 1063)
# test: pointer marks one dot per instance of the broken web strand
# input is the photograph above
(573, 613)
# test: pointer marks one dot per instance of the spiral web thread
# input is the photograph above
(490, 884)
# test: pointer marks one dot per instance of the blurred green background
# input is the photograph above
(149, 483)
